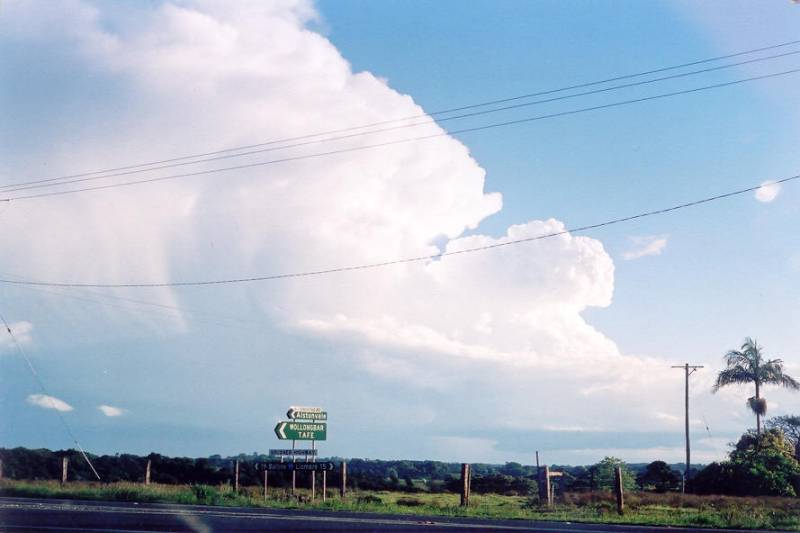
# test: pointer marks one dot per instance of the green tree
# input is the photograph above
(604, 474)
(658, 476)
(748, 365)
(790, 425)
(759, 465)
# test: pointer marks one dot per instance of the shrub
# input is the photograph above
(205, 494)
(368, 499)
(410, 502)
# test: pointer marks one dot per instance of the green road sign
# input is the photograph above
(302, 430)
(295, 413)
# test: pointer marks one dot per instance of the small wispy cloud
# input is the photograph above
(644, 246)
(768, 191)
(666, 417)
(48, 402)
(22, 332)
(109, 410)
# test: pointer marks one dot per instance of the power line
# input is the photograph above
(131, 170)
(207, 316)
(399, 141)
(443, 111)
(47, 394)
(400, 261)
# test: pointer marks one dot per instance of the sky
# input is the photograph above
(562, 345)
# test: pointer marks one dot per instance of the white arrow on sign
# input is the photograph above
(281, 430)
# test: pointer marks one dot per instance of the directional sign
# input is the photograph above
(302, 430)
(305, 409)
(294, 452)
(296, 413)
(303, 467)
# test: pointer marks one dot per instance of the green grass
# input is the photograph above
(641, 508)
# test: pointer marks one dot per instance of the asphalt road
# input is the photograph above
(30, 515)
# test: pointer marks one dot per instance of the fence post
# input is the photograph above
(313, 485)
(236, 476)
(545, 494)
(266, 483)
(324, 486)
(343, 487)
(1, 469)
(64, 469)
(147, 472)
(465, 484)
(618, 489)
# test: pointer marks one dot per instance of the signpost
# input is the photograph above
(302, 430)
(305, 423)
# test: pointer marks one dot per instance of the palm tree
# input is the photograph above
(748, 365)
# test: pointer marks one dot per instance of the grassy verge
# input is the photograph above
(641, 508)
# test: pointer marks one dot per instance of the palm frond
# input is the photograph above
(732, 375)
(789, 382)
(735, 357)
(772, 372)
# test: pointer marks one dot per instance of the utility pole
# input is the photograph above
(689, 370)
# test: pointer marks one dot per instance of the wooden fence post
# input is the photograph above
(1, 469)
(343, 486)
(618, 489)
(266, 483)
(64, 469)
(147, 472)
(466, 479)
(545, 494)
(313, 485)
(294, 482)
(236, 476)
(324, 486)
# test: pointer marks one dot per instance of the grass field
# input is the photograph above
(641, 508)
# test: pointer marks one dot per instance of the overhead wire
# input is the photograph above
(47, 395)
(56, 182)
(171, 311)
(400, 141)
(422, 115)
(427, 257)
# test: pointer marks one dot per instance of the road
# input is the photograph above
(48, 516)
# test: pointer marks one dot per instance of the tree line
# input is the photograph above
(762, 464)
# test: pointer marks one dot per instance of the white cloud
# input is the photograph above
(22, 332)
(768, 191)
(48, 402)
(644, 246)
(204, 76)
(111, 411)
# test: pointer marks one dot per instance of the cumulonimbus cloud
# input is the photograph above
(205, 76)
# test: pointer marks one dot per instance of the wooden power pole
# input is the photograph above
(689, 370)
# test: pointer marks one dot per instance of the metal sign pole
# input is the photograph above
(313, 475)
(294, 474)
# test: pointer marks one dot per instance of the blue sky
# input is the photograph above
(562, 346)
